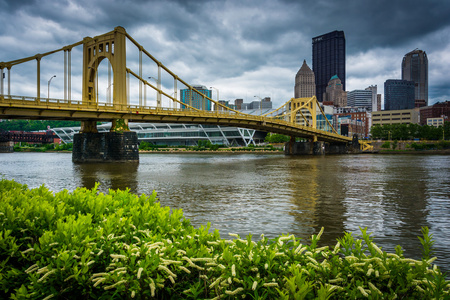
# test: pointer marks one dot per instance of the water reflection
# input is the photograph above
(110, 176)
(387, 196)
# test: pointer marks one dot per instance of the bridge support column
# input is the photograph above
(354, 145)
(298, 148)
(88, 126)
(105, 147)
(336, 148)
(115, 146)
(318, 148)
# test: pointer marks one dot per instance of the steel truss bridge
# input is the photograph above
(296, 118)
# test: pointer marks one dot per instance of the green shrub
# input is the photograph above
(394, 144)
(386, 145)
(85, 244)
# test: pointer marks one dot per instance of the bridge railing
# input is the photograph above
(34, 102)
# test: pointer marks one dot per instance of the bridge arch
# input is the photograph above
(112, 46)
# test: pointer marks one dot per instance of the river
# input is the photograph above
(392, 195)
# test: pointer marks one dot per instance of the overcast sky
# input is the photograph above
(242, 48)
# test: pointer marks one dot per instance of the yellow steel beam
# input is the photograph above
(34, 108)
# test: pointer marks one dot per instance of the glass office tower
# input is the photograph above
(415, 68)
(328, 59)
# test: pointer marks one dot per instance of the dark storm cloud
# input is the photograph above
(225, 41)
(380, 23)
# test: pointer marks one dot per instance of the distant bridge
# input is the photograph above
(27, 137)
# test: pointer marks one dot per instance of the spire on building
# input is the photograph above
(305, 86)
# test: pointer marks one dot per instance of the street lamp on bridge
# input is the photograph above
(260, 104)
(158, 94)
(48, 90)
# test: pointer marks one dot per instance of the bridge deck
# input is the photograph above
(17, 107)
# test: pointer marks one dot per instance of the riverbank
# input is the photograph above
(415, 152)
(224, 151)
(89, 244)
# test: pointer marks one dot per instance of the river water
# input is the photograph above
(392, 195)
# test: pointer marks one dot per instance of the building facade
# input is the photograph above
(398, 94)
(378, 102)
(335, 93)
(360, 115)
(404, 116)
(436, 122)
(360, 98)
(438, 110)
(328, 59)
(196, 100)
(305, 83)
(262, 105)
(373, 89)
(415, 68)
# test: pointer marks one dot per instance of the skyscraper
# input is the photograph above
(415, 68)
(328, 59)
(196, 100)
(305, 84)
(398, 94)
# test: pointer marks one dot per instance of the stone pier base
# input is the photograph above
(315, 148)
(336, 148)
(105, 147)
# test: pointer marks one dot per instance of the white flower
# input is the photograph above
(139, 273)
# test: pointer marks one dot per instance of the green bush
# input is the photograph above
(386, 145)
(89, 245)
(276, 138)
(394, 144)
(64, 147)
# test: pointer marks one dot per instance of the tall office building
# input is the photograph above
(415, 68)
(195, 99)
(360, 98)
(328, 59)
(305, 84)
(334, 93)
(398, 94)
(373, 89)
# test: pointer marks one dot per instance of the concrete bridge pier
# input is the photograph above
(321, 148)
(118, 145)
(305, 148)
(336, 148)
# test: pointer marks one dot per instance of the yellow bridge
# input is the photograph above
(296, 118)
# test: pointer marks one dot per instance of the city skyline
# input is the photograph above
(242, 49)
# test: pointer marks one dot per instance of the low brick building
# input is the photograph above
(438, 110)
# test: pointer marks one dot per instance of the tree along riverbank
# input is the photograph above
(86, 244)
(411, 147)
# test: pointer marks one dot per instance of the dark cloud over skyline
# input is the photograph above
(245, 48)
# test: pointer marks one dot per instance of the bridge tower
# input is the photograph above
(119, 144)
(112, 46)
